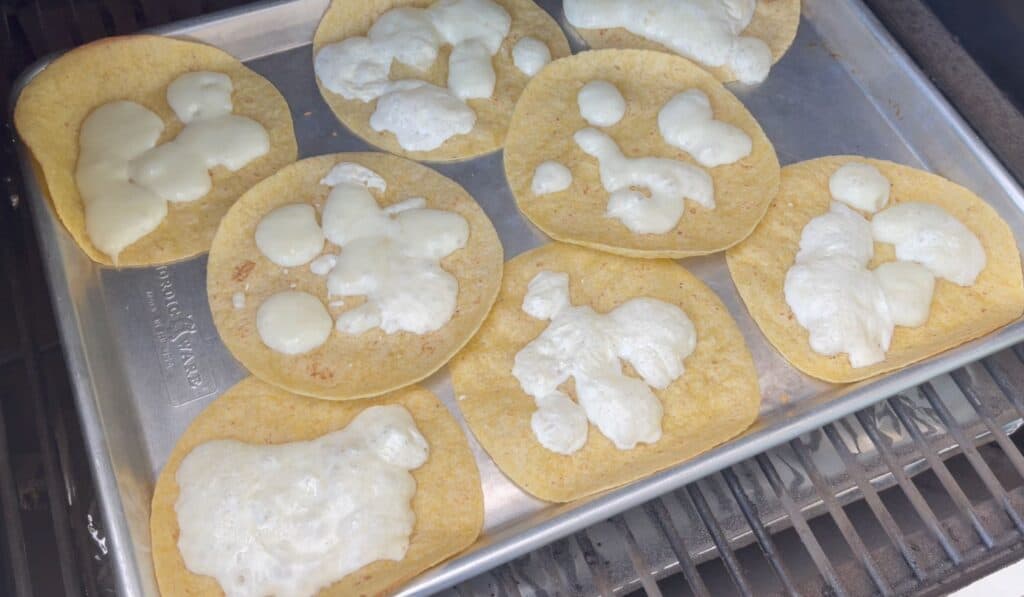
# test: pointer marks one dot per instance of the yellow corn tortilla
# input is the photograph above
(958, 314)
(448, 503)
(715, 399)
(51, 109)
(775, 23)
(548, 115)
(345, 19)
(346, 367)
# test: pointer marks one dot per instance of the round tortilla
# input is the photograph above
(775, 23)
(448, 503)
(51, 109)
(715, 399)
(346, 367)
(345, 19)
(759, 265)
(548, 115)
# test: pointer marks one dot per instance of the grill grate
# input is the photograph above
(923, 490)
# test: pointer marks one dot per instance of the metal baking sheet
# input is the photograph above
(144, 356)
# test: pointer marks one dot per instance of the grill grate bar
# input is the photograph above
(811, 544)
(598, 569)
(889, 525)
(636, 557)
(971, 453)
(924, 511)
(942, 472)
(764, 539)
(1011, 451)
(1006, 385)
(657, 512)
(839, 516)
(725, 552)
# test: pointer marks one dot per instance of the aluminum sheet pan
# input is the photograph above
(144, 356)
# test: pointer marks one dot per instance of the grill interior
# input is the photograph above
(916, 495)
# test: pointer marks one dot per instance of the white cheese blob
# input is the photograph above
(354, 174)
(293, 322)
(392, 260)
(550, 177)
(861, 186)
(289, 235)
(118, 211)
(530, 55)
(238, 300)
(322, 265)
(832, 293)
(422, 116)
(200, 95)
(559, 424)
(470, 73)
(125, 178)
(929, 235)
(707, 31)
(652, 336)
(600, 103)
(908, 289)
(686, 121)
(668, 181)
(290, 519)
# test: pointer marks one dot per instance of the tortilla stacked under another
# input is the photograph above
(51, 109)
(775, 23)
(958, 314)
(547, 116)
(715, 399)
(346, 366)
(345, 19)
(448, 503)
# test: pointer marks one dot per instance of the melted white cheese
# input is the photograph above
(354, 174)
(668, 181)
(393, 260)
(860, 185)
(118, 211)
(530, 55)
(550, 177)
(686, 121)
(293, 322)
(125, 179)
(652, 336)
(832, 293)
(929, 235)
(238, 300)
(470, 73)
(322, 265)
(422, 116)
(290, 519)
(707, 31)
(908, 289)
(289, 235)
(600, 103)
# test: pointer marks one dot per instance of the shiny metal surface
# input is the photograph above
(145, 357)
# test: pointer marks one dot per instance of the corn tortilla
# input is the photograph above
(448, 503)
(51, 109)
(346, 367)
(344, 19)
(958, 314)
(775, 22)
(548, 115)
(715, 399)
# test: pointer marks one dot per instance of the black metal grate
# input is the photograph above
(914, 517)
